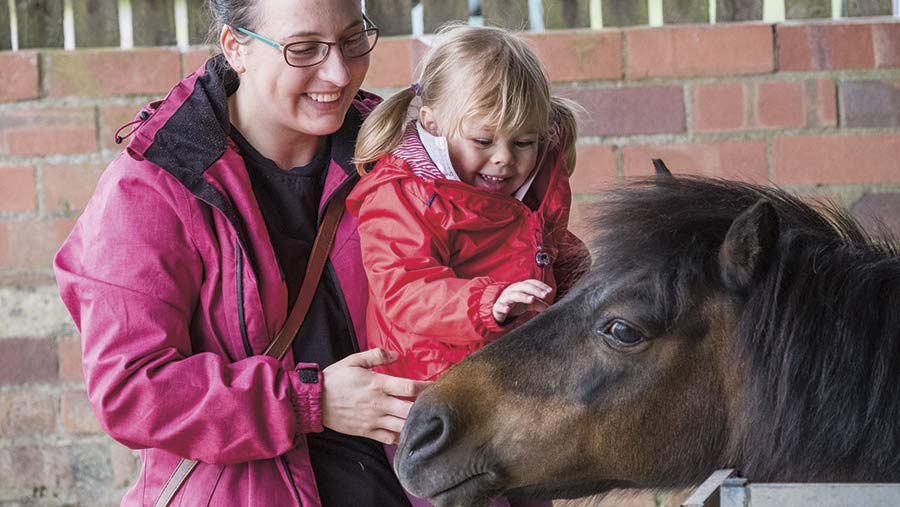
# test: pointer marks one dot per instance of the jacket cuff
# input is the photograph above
(486, 307)
(308, 398)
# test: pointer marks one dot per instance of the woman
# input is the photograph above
(191, 253)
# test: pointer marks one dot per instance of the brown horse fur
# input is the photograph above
(722, 324)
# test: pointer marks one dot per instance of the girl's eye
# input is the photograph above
(482, 142)
(524, 144)
(621, 334)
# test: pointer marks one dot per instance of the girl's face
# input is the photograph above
(494, 160)
(307, 101)
(486, 157)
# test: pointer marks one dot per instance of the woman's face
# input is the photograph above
(307, 101)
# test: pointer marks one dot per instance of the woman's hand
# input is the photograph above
(519, 298)
(358, 401)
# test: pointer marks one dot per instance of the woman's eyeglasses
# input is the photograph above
(309, 53)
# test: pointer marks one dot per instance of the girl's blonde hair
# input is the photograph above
(473, 71)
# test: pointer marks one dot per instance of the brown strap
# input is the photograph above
(279, 346)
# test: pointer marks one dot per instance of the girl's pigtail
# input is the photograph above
(564, 114)
(382, 130)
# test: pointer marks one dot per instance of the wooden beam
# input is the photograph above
(867, 8)
(567, 14)
(624, 13)
(96, 23)
(40, 23)
(5, 35)
(199, 22)
(739, 10)
(392, 17)
(685, 11)
(807, 9)
(511, 14)
(439, 12)
(153, 22)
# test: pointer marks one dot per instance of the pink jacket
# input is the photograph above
(173, 283)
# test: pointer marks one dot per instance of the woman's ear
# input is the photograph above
(428, 121)
(232, 49)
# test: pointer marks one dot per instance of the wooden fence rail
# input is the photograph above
(127, 23)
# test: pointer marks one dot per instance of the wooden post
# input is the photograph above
(96, 23)
(438, 12)
(624, 13)
(153, 22)
(685, 11)
(738, 10)
(867, 8)
(40, 23)
(511, 14)
(393, 17)
(5, 36)
(807, 9)
(199, 22)
(567, 14)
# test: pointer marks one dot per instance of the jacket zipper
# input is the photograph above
(287, 471)
(239, 268)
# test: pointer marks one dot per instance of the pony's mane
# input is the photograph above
(818, 334)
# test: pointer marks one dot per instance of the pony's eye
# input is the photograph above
(622, 334)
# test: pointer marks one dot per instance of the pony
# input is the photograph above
(721, 325)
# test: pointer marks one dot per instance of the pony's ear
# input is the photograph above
(661, 170)
(749, 245)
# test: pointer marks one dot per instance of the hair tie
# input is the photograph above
(415, 89)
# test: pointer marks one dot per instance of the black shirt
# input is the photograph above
(350, 471)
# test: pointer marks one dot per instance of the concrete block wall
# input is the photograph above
(811, 106)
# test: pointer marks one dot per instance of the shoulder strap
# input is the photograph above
(279, 346)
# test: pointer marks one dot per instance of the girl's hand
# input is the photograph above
(358, 401)
(521, 297)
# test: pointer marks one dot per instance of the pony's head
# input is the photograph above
(720, 325)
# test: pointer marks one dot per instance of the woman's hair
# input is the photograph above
(471, 71)
(243, 13)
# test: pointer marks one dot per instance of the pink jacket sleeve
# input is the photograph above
(130, 276)
(406, 262)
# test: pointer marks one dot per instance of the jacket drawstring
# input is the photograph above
(142, 118)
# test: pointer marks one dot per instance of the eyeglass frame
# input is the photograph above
(284, 47)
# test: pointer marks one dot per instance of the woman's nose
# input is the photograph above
(334, 68)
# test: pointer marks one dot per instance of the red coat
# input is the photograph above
(438, 253)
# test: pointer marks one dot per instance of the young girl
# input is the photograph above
(463, 219)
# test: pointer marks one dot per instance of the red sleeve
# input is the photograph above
(406, 257)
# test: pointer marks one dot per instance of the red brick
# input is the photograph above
(393, 62)
(699, 50)
(811, 160)
(874, 210)
(48, 131)
(125, 465)
(26, 413)
(112, 117)
(17, 188)
(886, 38)
(27, 360)
(825, 46)
(76, 415)
(595, 168)
(108, 72)
(825, 99)
(871, 103)
(580, 219)
(579, 55)
(629, 111)
(738, 160)
(32, 244)
(779, 104)
(27, 468)
(192, 60)
(69, 186)
(19, 79)
(719, 107)
(69, 359)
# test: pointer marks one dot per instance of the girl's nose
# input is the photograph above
(334, 68)
(502, 155)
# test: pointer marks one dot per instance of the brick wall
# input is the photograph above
(809, 106)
